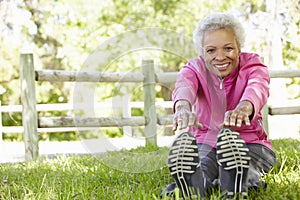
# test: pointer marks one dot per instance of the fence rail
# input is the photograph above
(148, 77)
(72, 76)
(286, 110)
(165, 77)
(47, 122)
(125, 105)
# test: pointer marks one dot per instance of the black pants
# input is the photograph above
(262, 159)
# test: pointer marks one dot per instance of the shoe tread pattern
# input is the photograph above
(231, 150)
(183, 157)
(233, 157)
(183, 160)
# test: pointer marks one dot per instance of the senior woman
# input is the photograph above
(219, 97)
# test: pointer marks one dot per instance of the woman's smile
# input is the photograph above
(221, 67)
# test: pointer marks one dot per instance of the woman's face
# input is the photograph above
(220, 51)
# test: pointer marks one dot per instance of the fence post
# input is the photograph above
(149, 102)
(28, 99)
(265, 114)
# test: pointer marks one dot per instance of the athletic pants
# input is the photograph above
(262, 159)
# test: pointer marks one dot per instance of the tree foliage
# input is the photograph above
(63, 33)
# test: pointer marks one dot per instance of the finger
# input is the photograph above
(174, 124)
(222, 125)
(227, 118)
(191, 120)
(198, 125)
(185, 122)
(179, 122)
(239, 121)
(247, 121)
(233, 119)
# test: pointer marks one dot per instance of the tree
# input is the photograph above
(62, 34)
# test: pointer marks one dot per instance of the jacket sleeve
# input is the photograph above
(258, 80)
(186, 86)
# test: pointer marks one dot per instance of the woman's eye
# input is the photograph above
(210, 50)
(228, 48)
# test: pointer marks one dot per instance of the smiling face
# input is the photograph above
(220, 51)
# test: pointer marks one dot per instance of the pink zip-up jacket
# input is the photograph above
(211, 97)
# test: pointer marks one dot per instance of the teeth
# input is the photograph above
(221, 66)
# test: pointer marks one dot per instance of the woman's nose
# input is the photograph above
(220, 55)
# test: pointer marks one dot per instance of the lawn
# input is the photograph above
(140, 173)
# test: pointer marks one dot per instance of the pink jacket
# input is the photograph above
(211, 97)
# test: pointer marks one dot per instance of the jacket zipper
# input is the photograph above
(221, 83)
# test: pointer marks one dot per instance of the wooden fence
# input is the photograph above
(124, 106)
(149, 120)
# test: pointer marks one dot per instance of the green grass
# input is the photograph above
(134, 174)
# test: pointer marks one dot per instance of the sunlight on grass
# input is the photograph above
(136, 174)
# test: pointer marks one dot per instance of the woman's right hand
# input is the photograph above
(184, 117)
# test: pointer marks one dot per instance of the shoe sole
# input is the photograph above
(183, 160)
(233, 156)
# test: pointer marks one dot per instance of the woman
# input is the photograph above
(219, 96)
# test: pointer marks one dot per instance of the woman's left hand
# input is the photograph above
(241, 114)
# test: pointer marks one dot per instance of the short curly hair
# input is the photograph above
(218, 21)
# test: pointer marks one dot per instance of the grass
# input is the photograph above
(134, 174)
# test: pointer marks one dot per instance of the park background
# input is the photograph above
(61, 34)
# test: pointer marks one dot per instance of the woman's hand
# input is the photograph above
(241, 114)
(183, 116)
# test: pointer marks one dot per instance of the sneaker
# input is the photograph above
(233, 158)
(169, 190)
(184, 165)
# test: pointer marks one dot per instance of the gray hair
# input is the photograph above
(218, 21)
